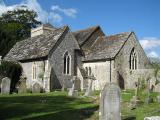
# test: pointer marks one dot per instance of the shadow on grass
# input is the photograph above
(48, 107)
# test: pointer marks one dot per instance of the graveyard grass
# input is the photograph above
(57, 106)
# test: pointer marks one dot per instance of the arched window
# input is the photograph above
(133, 60)
(67, 63)
(86, 70)
(34, 74)
(89, 71)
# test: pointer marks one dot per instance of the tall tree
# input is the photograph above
(15, 26)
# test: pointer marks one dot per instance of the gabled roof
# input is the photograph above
(35, 47)
(107, 47)
(83, 35)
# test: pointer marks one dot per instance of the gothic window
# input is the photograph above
(89, 71)
(34, 74)
(67, 63)
(133, 60)
(86, 70)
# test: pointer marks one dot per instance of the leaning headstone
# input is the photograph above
(36, 88)
(110, 103)
(72, 92)
(5, 85)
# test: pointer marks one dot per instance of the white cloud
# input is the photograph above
(153, 54)
(43, 15)
(68, 12)
(150, 42)
(34, 5)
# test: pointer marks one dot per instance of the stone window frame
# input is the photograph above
(88, 70)
(67, 63)
(34, 71)
(133, 60)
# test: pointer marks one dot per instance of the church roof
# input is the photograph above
(83, 35)
(107, 47)
(35, 47)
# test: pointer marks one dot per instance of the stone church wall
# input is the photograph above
(122, 60)
(28, 72)
(56, 59)
(101, 72)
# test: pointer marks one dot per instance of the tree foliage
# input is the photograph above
(15, 26)
(12, 70)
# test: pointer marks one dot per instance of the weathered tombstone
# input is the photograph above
(72, 92)
(36, 88)
(22, 87)
(5, 85)
(135, 100)
(110, 103)
(90, 84)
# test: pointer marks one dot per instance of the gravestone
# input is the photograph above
(90, 85)
(21, 85)
(5, 85)
(72, 92)
(110, 103)
(135, 100)
(36, 88)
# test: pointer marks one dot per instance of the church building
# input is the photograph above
(51, 57)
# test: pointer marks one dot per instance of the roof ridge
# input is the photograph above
(118, 34)
(81, 30)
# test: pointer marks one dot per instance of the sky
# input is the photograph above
(114, 16)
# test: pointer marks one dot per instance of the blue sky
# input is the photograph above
(114, 16)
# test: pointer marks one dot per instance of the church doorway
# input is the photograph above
(120, 81)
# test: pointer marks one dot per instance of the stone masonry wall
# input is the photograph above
(28, 72)
(122, 63)
(101, 72)
(56, 59)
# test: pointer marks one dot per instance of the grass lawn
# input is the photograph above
(57, 106)
(45, 106)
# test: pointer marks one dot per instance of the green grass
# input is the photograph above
(50, 106)
(141, 111)
(57, 106)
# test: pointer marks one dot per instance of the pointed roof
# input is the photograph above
(107, 47)
(35, 47)
(83, 35)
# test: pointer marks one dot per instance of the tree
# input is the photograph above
(15, 26)
(13, 70)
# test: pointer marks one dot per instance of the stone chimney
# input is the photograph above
(42, 29)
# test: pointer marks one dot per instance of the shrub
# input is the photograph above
(12, 70)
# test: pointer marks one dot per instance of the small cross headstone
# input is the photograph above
(36, 88)
(110, 103)
(135, 100)
(5, 85)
